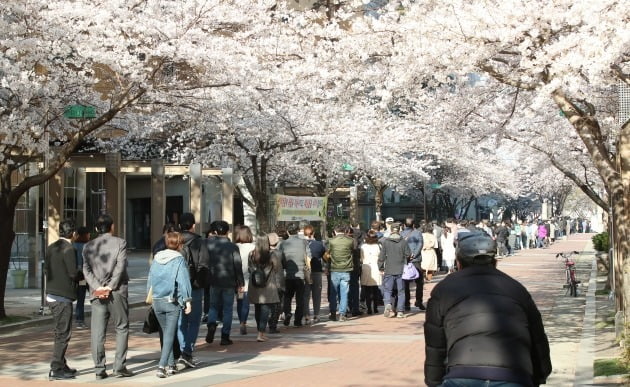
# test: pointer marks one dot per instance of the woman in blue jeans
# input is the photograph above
(169, 279)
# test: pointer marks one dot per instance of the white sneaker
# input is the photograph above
(388, 311)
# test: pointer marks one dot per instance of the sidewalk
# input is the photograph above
(364, 351)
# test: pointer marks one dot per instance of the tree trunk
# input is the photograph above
(7, 235)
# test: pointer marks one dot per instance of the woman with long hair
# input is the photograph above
(429, 257)
(263, 295)
(371, 278)
(245, 241)
(170, 284)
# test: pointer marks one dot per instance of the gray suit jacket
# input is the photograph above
(105, 263)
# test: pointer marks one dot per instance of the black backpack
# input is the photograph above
(259, 277)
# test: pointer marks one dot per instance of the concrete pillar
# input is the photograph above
(544, 212)
(158, 199)
(80, 192)
(113, 181)
(54, 206)
(227, 197)
(196, 203)
(32, 220)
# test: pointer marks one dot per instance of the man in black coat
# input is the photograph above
(226, 277)
(482, 325)
(61, 289)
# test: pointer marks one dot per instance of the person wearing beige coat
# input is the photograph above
(429, 257)
(371, 278)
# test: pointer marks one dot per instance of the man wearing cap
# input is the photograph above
(482, 326)
(394, 254)
(388, 226)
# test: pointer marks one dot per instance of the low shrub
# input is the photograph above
(601, 241)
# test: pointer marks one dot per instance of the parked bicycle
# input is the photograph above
(572, 282)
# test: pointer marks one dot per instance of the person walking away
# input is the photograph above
(371, 278)
(82, 237)
(105, 270)
(226, 278)
(414, 239)
(158, 246)
(392, 259)
(245, 241)
(448, 249)
(276, 307)
(264, 296)
(195, 253)
(314, 290)
(169, 280)
(354, 285)
(61, 290)
(294, 252)
(340, 266)
(429, 258)
(464, 344)
(541, 235)
(502, 234)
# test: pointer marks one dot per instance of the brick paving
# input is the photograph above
(364, 351)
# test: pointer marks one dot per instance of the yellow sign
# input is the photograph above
(294, 208)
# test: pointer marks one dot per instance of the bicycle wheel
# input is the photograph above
(573, 289)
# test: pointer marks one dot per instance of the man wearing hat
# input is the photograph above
(482, 327)
(388, 226)
(394, 254)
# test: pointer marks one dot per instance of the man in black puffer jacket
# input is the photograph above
(482, 325)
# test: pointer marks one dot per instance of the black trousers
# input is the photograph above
(419, 291)
(62, 317)
(294, 287)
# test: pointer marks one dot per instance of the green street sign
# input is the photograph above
(347, 167)
(79, 111)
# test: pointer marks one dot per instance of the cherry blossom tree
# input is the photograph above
(561, 51)
(105, 55)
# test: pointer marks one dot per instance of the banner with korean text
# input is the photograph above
(295, 208)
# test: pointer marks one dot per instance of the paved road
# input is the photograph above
(364, 351)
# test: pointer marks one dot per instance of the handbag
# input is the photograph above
(151, 323)
(410, 272)
(307, 271)
(149, 299)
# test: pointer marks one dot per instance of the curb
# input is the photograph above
(45, 320)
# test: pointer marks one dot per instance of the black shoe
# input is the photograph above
(225, 340)
(204, 319)
(187, 360)
(298, 324)
(210, 336)
(357, 313)
(333, 317)
(421, 307)
(287, 319)
(274, 330)
(60, 375)
(101, 375)
(123, 373)
(69, 370)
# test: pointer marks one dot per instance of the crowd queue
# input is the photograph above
(195, 280)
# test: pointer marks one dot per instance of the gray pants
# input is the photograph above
(117, 307)
(314, 289)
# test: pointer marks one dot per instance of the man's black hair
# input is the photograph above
(67, 228)
(293, 228)
(104, 224)
(186, 221)
(222, 227)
